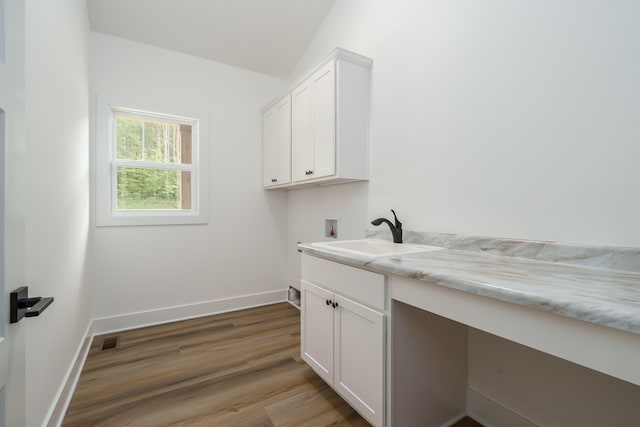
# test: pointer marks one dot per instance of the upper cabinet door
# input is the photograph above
(276, 144)
(323, 107)
(314, 125)
(301, 128)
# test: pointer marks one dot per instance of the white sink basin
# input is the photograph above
(374, 247)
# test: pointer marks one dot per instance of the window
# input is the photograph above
(152, 166)
(148, 168)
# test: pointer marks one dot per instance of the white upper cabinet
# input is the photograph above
(314, 126)
(329, 122)
(276, 143)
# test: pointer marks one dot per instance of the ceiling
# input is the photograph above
(267, 36)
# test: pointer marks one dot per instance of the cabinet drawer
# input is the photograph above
(361, 285)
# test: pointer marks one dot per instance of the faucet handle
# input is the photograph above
(398, 223)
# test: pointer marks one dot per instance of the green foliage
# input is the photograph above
(148, 189)
(143, 188)
(129, 136)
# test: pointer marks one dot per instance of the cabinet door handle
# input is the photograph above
(274, 179)
(335, 304)
(328, 302)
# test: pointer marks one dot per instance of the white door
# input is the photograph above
(359, 358)
(323, 96)
(316, 338)
(12, 337)
(276, 144)
(269, 138)
(301, 143)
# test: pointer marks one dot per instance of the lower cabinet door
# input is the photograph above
(316, 338)
(359, 358)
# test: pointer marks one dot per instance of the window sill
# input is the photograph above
(158, 218)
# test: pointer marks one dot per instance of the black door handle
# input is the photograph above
(20, 305)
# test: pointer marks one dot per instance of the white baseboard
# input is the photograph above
(490, 413)
(63, 397)
(172, 314)
(453, 420)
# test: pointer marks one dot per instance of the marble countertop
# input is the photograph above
(597, 295)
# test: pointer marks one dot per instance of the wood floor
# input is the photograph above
(233, 369)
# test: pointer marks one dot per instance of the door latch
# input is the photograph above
(23, 306)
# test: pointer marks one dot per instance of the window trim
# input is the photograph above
(107, 163)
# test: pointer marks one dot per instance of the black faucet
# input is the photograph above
(396, 229)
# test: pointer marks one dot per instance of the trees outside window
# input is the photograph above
(153, 163)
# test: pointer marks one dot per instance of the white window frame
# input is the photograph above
(107, 163)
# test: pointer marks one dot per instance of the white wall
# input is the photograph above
(242, 249)
(500, 118)
(309, 207)
(57, 218)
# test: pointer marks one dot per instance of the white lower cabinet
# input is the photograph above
(317, 343)
(344, 342)
(359, 357)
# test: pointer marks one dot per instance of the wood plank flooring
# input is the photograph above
(234, 369)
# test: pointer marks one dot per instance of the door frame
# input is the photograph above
(12, 218)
